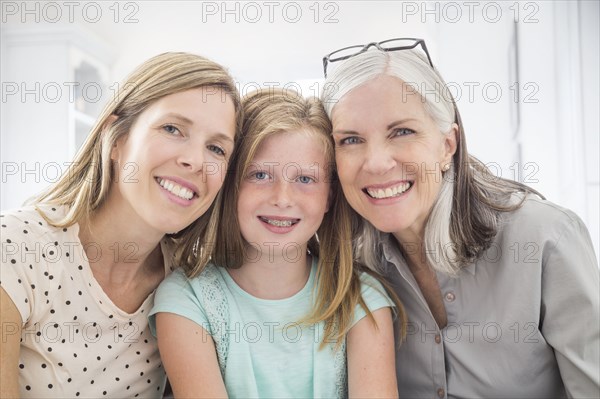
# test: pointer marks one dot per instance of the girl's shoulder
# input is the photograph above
(372, 289)
(210, 279)
(368, 281)
(374, 296)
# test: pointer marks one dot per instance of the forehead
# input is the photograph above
(210, 102)
(204, 96)
(382, 98)
(302, 146)
(209, 105)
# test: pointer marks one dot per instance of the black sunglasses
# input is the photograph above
(403, 43)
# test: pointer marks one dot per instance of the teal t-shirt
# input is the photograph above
(262, 349)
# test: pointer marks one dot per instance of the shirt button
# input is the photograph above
(450, 297)
(438, 338)
(441, 392)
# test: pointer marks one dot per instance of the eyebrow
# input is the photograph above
(178, 116)
(270, 165)
(346, 132)
(388, 127)
(223, 136)
(183, 119)
(400, 122)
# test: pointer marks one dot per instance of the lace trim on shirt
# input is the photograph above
(341, 372)
(217, 311)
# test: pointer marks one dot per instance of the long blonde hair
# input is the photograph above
(84, 187)
(338, 287)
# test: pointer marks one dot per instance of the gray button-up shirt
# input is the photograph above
(523, 321)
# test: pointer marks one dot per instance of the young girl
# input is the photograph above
(80, 266)
(278, 310)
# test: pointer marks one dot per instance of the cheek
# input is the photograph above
(245, 201)
(437, 148)
(223, 171)
(345, 168)
(214, 174)
(431, 179)
(323, 199)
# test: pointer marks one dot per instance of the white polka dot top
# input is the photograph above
(75, 342)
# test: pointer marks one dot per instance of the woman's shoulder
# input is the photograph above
(36, 257)
(28, 237)
(29, 222)
(536, 209)
(538, 217)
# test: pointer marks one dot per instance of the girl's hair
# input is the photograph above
(85, 185)
(465, 216)
(338, 291)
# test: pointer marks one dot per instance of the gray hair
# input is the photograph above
(465, 215)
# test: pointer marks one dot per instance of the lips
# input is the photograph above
(178, 188)
(390, 191)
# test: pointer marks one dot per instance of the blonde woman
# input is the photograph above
(80, 265)
(277, 311)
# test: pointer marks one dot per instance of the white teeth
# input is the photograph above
(388, 192)
(176, 189)
(278, 223)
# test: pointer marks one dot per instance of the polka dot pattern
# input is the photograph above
(75, 342)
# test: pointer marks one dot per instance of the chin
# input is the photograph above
(389, 224)
(386, 228)
(169, 228)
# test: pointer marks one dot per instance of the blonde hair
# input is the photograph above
(338, 287)
(84, 187)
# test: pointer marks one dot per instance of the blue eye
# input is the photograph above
(305, 179)
(260, 175)
(171, 129)
(216, 149)
(402, 131)
(349, 140)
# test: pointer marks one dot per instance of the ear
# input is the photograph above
(450, 143)
(109, 121)
(105, 126)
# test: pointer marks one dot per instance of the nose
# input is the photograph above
(379, 159)
(192, 158)
(282, 196)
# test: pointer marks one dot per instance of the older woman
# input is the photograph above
(500, 286)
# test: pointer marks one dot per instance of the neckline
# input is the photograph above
(94, 288)
(298, 295)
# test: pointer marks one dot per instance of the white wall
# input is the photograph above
(589, 32)
(547, 137)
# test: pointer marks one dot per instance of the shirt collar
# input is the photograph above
(392, 254)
